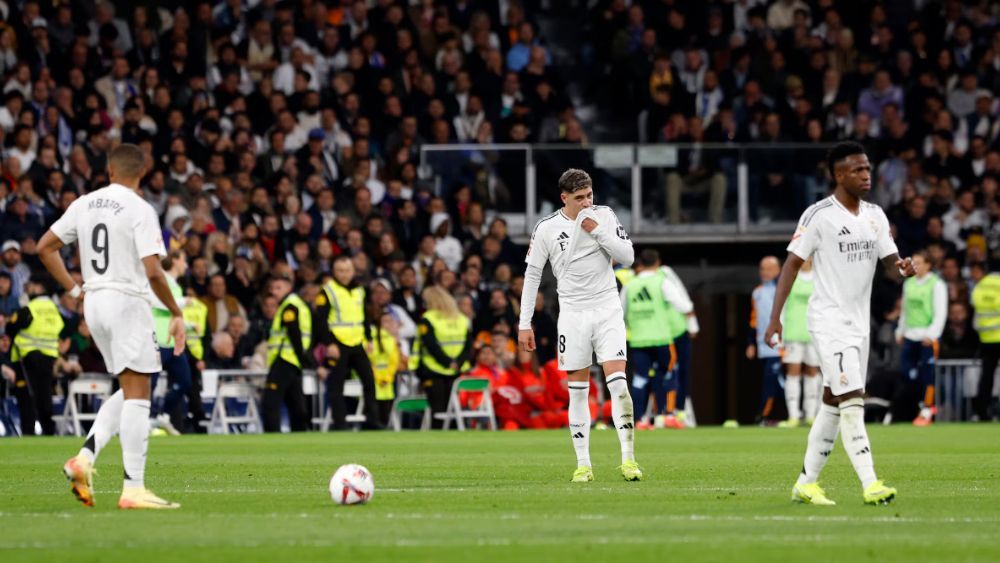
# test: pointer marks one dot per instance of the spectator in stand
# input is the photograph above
(221, 305)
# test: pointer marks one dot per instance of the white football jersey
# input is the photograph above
(590, 281)
(845, 248)
(115, 229)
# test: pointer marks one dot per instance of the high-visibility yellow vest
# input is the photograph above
(347, 312)
(195, 314)
(278, 344)
(384, 357)
(451, 334)
(42, 334)
(986, 300)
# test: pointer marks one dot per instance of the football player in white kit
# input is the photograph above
(581, 241)
(846, 237)
(120, 245)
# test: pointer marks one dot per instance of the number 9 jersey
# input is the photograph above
(115, 229)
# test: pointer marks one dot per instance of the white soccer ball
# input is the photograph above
(352, 484)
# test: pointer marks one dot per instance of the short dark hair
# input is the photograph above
(840, 152)
(574, 180)
(128, 161)
(649, 257)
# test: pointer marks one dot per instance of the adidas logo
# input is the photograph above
(621, 353)
(626, 426)
(562, 236)
(578, 435)
(843, 231)
(642, 296)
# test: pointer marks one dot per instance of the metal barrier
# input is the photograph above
(956, 383)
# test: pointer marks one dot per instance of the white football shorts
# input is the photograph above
(582, 334)
(843, 359)
(122, 326)
(800, 353)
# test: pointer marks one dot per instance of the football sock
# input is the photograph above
(105, 426)
(793, 393)
(822, 437)
(855, 438)
(810, 395)
(134, 434)
(622, 414)
(579, 421)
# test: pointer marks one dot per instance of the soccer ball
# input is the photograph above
(352, 484)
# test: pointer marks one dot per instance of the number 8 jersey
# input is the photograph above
(115, 229)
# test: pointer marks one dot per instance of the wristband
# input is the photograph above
(76, 292)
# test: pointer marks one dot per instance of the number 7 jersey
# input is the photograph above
(115, 229)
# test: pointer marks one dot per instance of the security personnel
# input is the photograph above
(196, 320)
(288, 354)
(442, 349)
(986, 300)
(341, 304)
(647, 301)
(36, 331)
(177, 367)
(384, 354)
(921, 322)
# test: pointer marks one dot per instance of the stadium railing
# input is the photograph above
(759, 189)
(956, 384)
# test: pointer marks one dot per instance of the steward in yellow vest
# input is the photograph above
(288, 352)
(442, 349)
(986, 300)
(36, 331)
(384, 353)
(196, 321)
(342, 326)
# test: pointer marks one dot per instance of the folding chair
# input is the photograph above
(412, 404)
(352, 389)
(459, 414)
(93, 387)
(222, 418)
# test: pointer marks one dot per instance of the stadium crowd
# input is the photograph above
(280, 135)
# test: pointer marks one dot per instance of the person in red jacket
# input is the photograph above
(557, 392)
(549, 412)
(510, 402)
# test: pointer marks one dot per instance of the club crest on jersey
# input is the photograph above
(874, 225)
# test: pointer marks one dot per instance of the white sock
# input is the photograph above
(810, 395)
(855, 438)
(105, 426)
(579, 421)
(793, 393)
(621, 414)
(822, 437)
(134, 434)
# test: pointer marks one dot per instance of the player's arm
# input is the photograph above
(788, 274)
(538, 255)
(612, 238)
(48, 254)
(161, 288)
(940, 296)
(902, 265)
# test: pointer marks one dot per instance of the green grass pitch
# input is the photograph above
(710, 495)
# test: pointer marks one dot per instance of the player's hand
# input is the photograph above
(751, 352)
(773, 334)
(179, 333)
(526, 339)
(333, 352)
(589, 225)
(905, 266)
(899, 340)
(927, 342)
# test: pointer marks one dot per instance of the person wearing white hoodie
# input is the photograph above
(446, 246)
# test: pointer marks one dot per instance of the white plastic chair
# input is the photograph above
(460, 414)
(221, 419)
(352, 389)
(72, 417)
